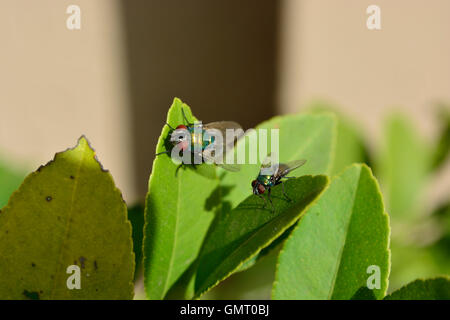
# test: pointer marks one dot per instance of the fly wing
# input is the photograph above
(222, 126)
(225, 146)
(229, 167)
(267, 162)
(269, 165)
(285, 168)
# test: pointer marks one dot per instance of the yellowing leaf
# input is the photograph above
(68, 212)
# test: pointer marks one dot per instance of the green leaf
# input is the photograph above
(330, 250)
(442, 216)
(273, 248)
(442, 148)
(411, 261)
(403, 168)
(237, 236)
(301, 136)
(350, 145)
(180, 206)
(10, 180)
(68, 212)
(136, 218)
(364, 293)
(430, 289)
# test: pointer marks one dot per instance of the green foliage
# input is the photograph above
(350, 146)
(201, 225)
(302, 136)
(442, 148)
(431, 289)
(364, 293)
(180, 206)
(136, 218)
(308, 136)
(242, 233)
(344, 233)
(10, 180)
(403, 166)
(67, 212)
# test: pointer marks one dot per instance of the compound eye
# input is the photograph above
(261, 189)
(181, 126)
(253, 183)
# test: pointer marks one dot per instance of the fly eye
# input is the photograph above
(261, 189)
(253, 183)
(181, 126)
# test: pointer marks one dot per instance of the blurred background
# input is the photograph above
(114, 79)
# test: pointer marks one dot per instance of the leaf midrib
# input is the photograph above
(68, 223)
(254, 233)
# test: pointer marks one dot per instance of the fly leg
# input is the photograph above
(264, 199)
(178, 168)
(167, 124)
(163, 152)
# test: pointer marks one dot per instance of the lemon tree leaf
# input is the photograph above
(301, 136)
(180, 206)
(10, 179)
(403, 166)
(237, 236)
(136, 218)
(350, 146)
(364, 293)
(441, 150)
(430, 289)
(68, 212)
(346, 231)
(310, 136)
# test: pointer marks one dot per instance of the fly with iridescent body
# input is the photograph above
(191, 137)
(270, 175)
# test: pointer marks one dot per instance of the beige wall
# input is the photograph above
(327, 52)
(56, 84)
(113, 79)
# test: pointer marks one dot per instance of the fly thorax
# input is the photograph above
(265, 180)
(197, 140)
(209, 140)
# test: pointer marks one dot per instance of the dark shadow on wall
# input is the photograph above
(217, 56)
